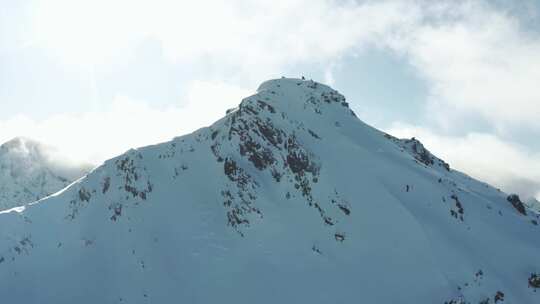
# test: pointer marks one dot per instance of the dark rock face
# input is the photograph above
(239, 198)
(455, 301)
(499, 297)
(269, 142)
(106, 184)
(459, 212)
(534, 280)
(130, 176)
(517, 203)
(420, 153)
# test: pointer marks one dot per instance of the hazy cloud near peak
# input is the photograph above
(28, 155)
(97, 135)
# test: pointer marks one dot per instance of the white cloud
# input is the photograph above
(253, 37)
(98, 135)
(508, 165)
(477, 59)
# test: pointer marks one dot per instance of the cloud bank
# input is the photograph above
(98, 135)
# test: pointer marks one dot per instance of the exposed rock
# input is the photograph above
(534, 280)
(517, 203)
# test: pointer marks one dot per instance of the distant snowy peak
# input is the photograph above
(19, 143)
(30, 170)
(21, 148)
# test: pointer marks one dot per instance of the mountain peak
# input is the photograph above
(24, 153)
(299, 91)
(304, 103)
(293, 84)
(22, 144)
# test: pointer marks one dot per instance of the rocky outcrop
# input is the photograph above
(517, 203)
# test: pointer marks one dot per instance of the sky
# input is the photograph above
(95, 78)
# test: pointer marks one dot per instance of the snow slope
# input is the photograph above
(533, 204)
(287, 199)
(27, 172)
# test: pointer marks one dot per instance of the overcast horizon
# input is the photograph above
(97, 78)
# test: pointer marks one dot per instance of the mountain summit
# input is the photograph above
(29, 172)
(288, 199)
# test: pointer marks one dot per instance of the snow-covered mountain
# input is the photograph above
(533, 204)
(28, 172)
(288, 199)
